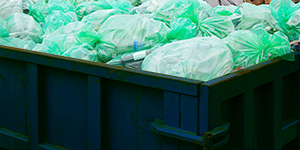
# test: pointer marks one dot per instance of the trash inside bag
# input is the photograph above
(127, 33)
(78, 33)
(130, 60)
(54, 44)
(84, 51)
(86, 8)
(294, 20)
(61, 5)
(200, 58)
(58, 19)
(255, 46)
(219, 26)
(8, 7)
(182, 28)
(3, 30)
(39, 11)
(24, 27)
(14, 42)
(99, 17)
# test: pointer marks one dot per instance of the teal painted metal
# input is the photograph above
(55, 102)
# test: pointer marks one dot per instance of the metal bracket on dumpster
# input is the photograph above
(210, 140)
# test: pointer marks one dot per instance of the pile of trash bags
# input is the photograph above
(185, 38)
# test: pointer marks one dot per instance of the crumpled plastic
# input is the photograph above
(219, 26)
(225, 10)
(8, 7)
(24, 27)
(250, 47)
(294, 20)
(171, 10)
(54, 44)
(89, 7)
(60, 5)
(127, 33)
(77, 2)
(200, 58)
(130, 60)
(15, 42)
(78, 33)
(58, 19)
(182, 28)
(84, 51)
(99, 17)
(3, 29)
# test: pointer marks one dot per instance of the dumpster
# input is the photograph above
(51, 102)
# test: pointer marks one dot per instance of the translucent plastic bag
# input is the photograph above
(14, 42)
(182, 28)
(78, 33)
(8, 7)
(99, 17)
(77, 2)
(282, 11)
(127, 33)
(200, 58)
(255, 46)
(294, 20)
(58, 19)
(84, 51)
(253, 15)
(219, 26)
(24, 27)
(61, 5)
(3, 30)
(124, 5)
(225, 10)
(86, 8)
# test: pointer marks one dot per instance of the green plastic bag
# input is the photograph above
(86, 8)
(250, 47)
(200, 58)
(24, 27)
(77, 2)
(84, 51)
(54, 44)
(171, 10)
(127, 33)
(61, 5)
(39, 11)
(219, 26)
(8, 7)
(282, 11)
(14, 42)
(99, 17)
(78, 33)
(294, 20)
(3, 30)
(182, 28)
(253, 15)
(58, 19)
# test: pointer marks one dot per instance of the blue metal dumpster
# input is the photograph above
(50, 102)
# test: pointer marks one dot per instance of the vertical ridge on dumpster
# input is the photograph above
(94, 113)
(249, 121)
(33, 111)
(171, 118)
(277, 115)
(189, 118)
